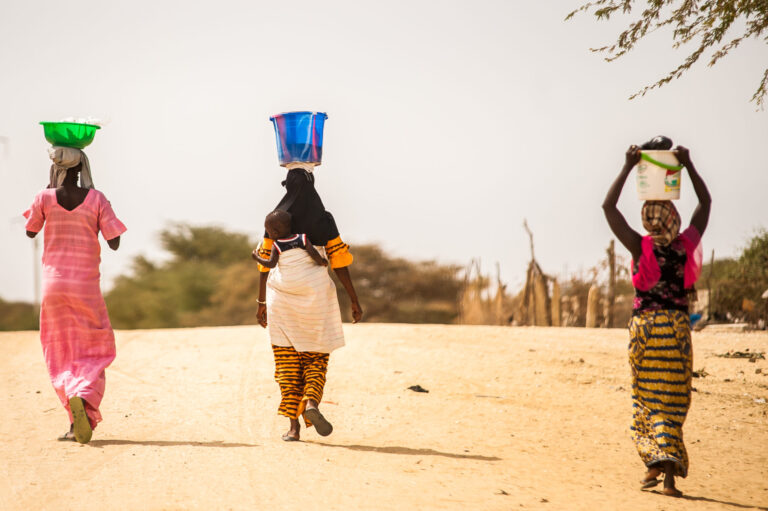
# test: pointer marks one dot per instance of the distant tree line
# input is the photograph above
(17, 316)
(210, 279)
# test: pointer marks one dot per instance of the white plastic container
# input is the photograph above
(658, 176)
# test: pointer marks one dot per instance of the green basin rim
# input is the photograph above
(660, 164)
(45, 123)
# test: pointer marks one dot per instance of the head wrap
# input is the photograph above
(661, 220)
(65, 158)
(308, 166)
(308, 214)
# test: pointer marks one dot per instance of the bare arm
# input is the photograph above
(114, 243)
(346, 281)
(261, 310)
(628, 237)
(315, 255)
(700, 216)
(267, 263)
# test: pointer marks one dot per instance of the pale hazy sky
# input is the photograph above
(449, 122)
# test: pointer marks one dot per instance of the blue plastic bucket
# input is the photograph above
(299, 136)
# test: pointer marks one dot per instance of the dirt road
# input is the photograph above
(515, 418)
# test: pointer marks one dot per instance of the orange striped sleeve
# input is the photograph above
(265, 252)
(338, 253)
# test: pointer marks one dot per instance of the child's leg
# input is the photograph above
(288, 374)
(314, 367)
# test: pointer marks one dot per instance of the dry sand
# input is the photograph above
(515, 418)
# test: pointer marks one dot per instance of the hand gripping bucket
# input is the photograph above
(658, 176)
(299, 136)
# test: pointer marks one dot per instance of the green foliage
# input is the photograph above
(210, 279)
(18, 316)
(205, 244)
(396, 290)
(754, 259)
(704, 25)
(175, 293)
(734, 280)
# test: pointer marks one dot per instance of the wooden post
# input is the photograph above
(555, 303)
(710, 291)
(530, 237)
(540, 298)
(530, 296)
(611, 285)
(499, 301)
(593, 298)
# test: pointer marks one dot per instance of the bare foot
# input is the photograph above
(69, 436)
(669, 481)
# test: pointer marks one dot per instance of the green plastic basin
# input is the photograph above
(69, 134)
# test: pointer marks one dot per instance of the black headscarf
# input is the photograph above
(308, 215)
(658, 143)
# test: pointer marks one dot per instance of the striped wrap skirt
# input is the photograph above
(661, 359)
(304, 327)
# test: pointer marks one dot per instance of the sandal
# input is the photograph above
(321, 424)
(82, 426)
(649, 483)
(289, 438)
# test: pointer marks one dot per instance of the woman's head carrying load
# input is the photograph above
(65, 158)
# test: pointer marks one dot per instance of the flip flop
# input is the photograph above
(649, 483)
(288, 438)
(321, 424)
(82, 426)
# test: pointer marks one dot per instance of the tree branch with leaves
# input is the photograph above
(702, 25)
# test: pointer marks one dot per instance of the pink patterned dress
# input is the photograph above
(77, 338)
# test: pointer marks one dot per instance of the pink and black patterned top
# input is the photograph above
(664, 275)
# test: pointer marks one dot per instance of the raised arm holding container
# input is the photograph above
(665, 266)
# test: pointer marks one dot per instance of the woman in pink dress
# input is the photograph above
(75, 332)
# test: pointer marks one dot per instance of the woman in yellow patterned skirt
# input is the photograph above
(300, 300)
(665, 266)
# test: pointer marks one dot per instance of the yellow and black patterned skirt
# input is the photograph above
(661, 359)
(301, 376)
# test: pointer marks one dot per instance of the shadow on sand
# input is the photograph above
(715, 501)
(725, 502)
(166, 443)
(407, 451)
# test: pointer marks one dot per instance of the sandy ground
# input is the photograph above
(514, 418)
